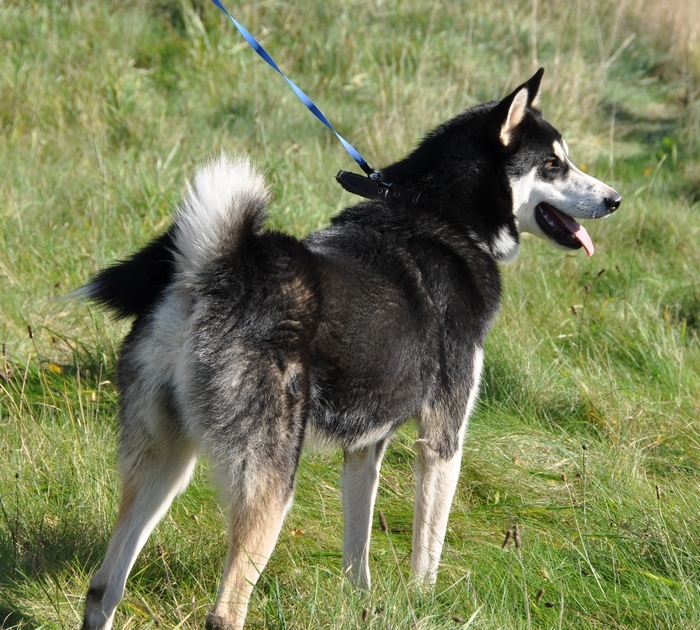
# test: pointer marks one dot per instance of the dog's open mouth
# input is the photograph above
(562, 229)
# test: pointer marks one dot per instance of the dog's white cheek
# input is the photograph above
(521, 190)
(527, 223)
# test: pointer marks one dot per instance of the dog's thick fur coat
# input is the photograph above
(246, 343)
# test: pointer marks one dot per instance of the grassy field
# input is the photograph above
(587, 433)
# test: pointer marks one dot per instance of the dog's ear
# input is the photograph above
(510, 112)
(533, 88)
(514, 114)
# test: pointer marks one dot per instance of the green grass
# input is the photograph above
(105, 108)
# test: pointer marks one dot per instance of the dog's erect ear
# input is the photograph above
(533, 88)
(511, 110)
(514, 115)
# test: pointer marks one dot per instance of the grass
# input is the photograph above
(586, 435)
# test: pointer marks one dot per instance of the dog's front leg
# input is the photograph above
(436, 481)
(437, 475)
(360, 482)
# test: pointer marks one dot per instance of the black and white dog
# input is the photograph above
(248, 342)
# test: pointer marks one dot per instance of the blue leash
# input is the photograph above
(311, 106)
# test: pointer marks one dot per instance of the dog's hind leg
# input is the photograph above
(253, 531)
(360, 483)
(156, 460)
(153, 472)
(256, 462)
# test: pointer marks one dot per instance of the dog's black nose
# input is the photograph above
(613, 202)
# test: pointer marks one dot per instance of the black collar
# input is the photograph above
(375, 188)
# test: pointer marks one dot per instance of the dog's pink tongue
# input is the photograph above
(579, 232)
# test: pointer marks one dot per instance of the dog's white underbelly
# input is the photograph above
(317, 439)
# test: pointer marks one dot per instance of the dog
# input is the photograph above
(246, 343)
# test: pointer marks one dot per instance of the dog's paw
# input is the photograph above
(215, 622)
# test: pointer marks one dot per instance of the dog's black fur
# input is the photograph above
(397, 292)
(344, 334)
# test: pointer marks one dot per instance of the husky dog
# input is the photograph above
(248, 342)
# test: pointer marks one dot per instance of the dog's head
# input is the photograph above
(549, 192)
(501, 169)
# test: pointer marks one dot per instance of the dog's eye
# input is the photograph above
(551, 162)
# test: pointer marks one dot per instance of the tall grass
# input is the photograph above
(676, 22)
(105, 108)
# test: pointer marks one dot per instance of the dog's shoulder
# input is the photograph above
(413, 250)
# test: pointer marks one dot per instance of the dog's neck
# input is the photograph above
(469, 200)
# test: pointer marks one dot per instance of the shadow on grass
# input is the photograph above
(683, 305)
(506, 387)
(664, 139)
(44, 525)
(32, 546)
(51, 372)
(648, 130)
(12, 618)
(24, 562)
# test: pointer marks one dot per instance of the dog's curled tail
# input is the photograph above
(224, 205)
